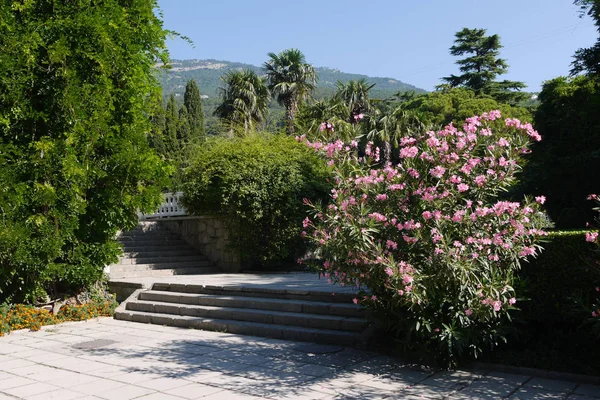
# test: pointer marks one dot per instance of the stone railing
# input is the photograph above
(170, 207)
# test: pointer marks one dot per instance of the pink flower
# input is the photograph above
(468, 312)
(503, 142)
(512, 301)
(480, 180)
(409, 152)
(592, 197)
(381, 197)
(427, 214)
(462, 187)
(497, 305)
(591, 236)
(389, 271)
(355, 300)
(540, 199)
(373, 297)
(437, 171)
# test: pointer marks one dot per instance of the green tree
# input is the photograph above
(291, 80)
(77, 87)
(184, 128)
(244, 100)
(565, 165)
(456, 104)
(193, 104)
(355, 96)
(588, 59)
(481, 66)
(172, 144)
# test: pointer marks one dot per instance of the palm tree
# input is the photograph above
(355, 95)
(245, 99)
(291, 80)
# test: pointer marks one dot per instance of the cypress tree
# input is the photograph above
(183, 128)
(171, 127)
(193, 105)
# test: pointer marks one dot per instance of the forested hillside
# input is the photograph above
(208, 73)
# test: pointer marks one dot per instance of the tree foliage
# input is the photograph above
(565, 166)
(481, 66)
(291, 81)
(244, 100)
(76, 90)
(195, 115)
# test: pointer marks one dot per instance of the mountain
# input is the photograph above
(207, 74)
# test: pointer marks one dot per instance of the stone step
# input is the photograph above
(252, 315)
(256, 291)
(275, 331)
(161, 254)
(267, 304)
(161, 265)
(139, 234)
(152, 241)
(162, 272)
(159, 259)
(137, 248)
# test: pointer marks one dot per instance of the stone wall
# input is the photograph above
(207, 234)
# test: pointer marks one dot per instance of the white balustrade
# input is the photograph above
(170, 207)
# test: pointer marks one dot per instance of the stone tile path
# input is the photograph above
(109, 359)
(291, 280)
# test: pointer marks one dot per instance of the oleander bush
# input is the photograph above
(427, 241)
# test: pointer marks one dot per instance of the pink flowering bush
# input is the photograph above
(426, 241)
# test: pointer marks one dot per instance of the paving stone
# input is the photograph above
(451, 379)
(60, 394)
(126, 392)
(494, 386)
(193, 391)
(359, 392)
(553, 385)
(14, 382)
(97, 386)
(162, 384)
(30, 390)
(588, 390)
(229, 395)
(531, 393)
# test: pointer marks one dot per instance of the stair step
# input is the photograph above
(244, 328)
(161, 254)
(297, 306)
(156, 260)
(161, 265)
(126, 273)
(256, 291)
(127, 248)
(152, 241)
(252, 315)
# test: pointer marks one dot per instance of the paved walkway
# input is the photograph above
(109, 359)
(291, 280)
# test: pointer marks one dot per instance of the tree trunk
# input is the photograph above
(290, 114)
(387, 151)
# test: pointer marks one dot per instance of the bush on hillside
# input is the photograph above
(257, 183)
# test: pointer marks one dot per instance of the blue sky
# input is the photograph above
(403, 39)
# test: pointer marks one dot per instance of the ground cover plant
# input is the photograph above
(427, 237)
(24, 316)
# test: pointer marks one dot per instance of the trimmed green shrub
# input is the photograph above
(257, 183)
(560, 283)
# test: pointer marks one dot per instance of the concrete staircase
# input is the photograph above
(250, 310)
(153, 251)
